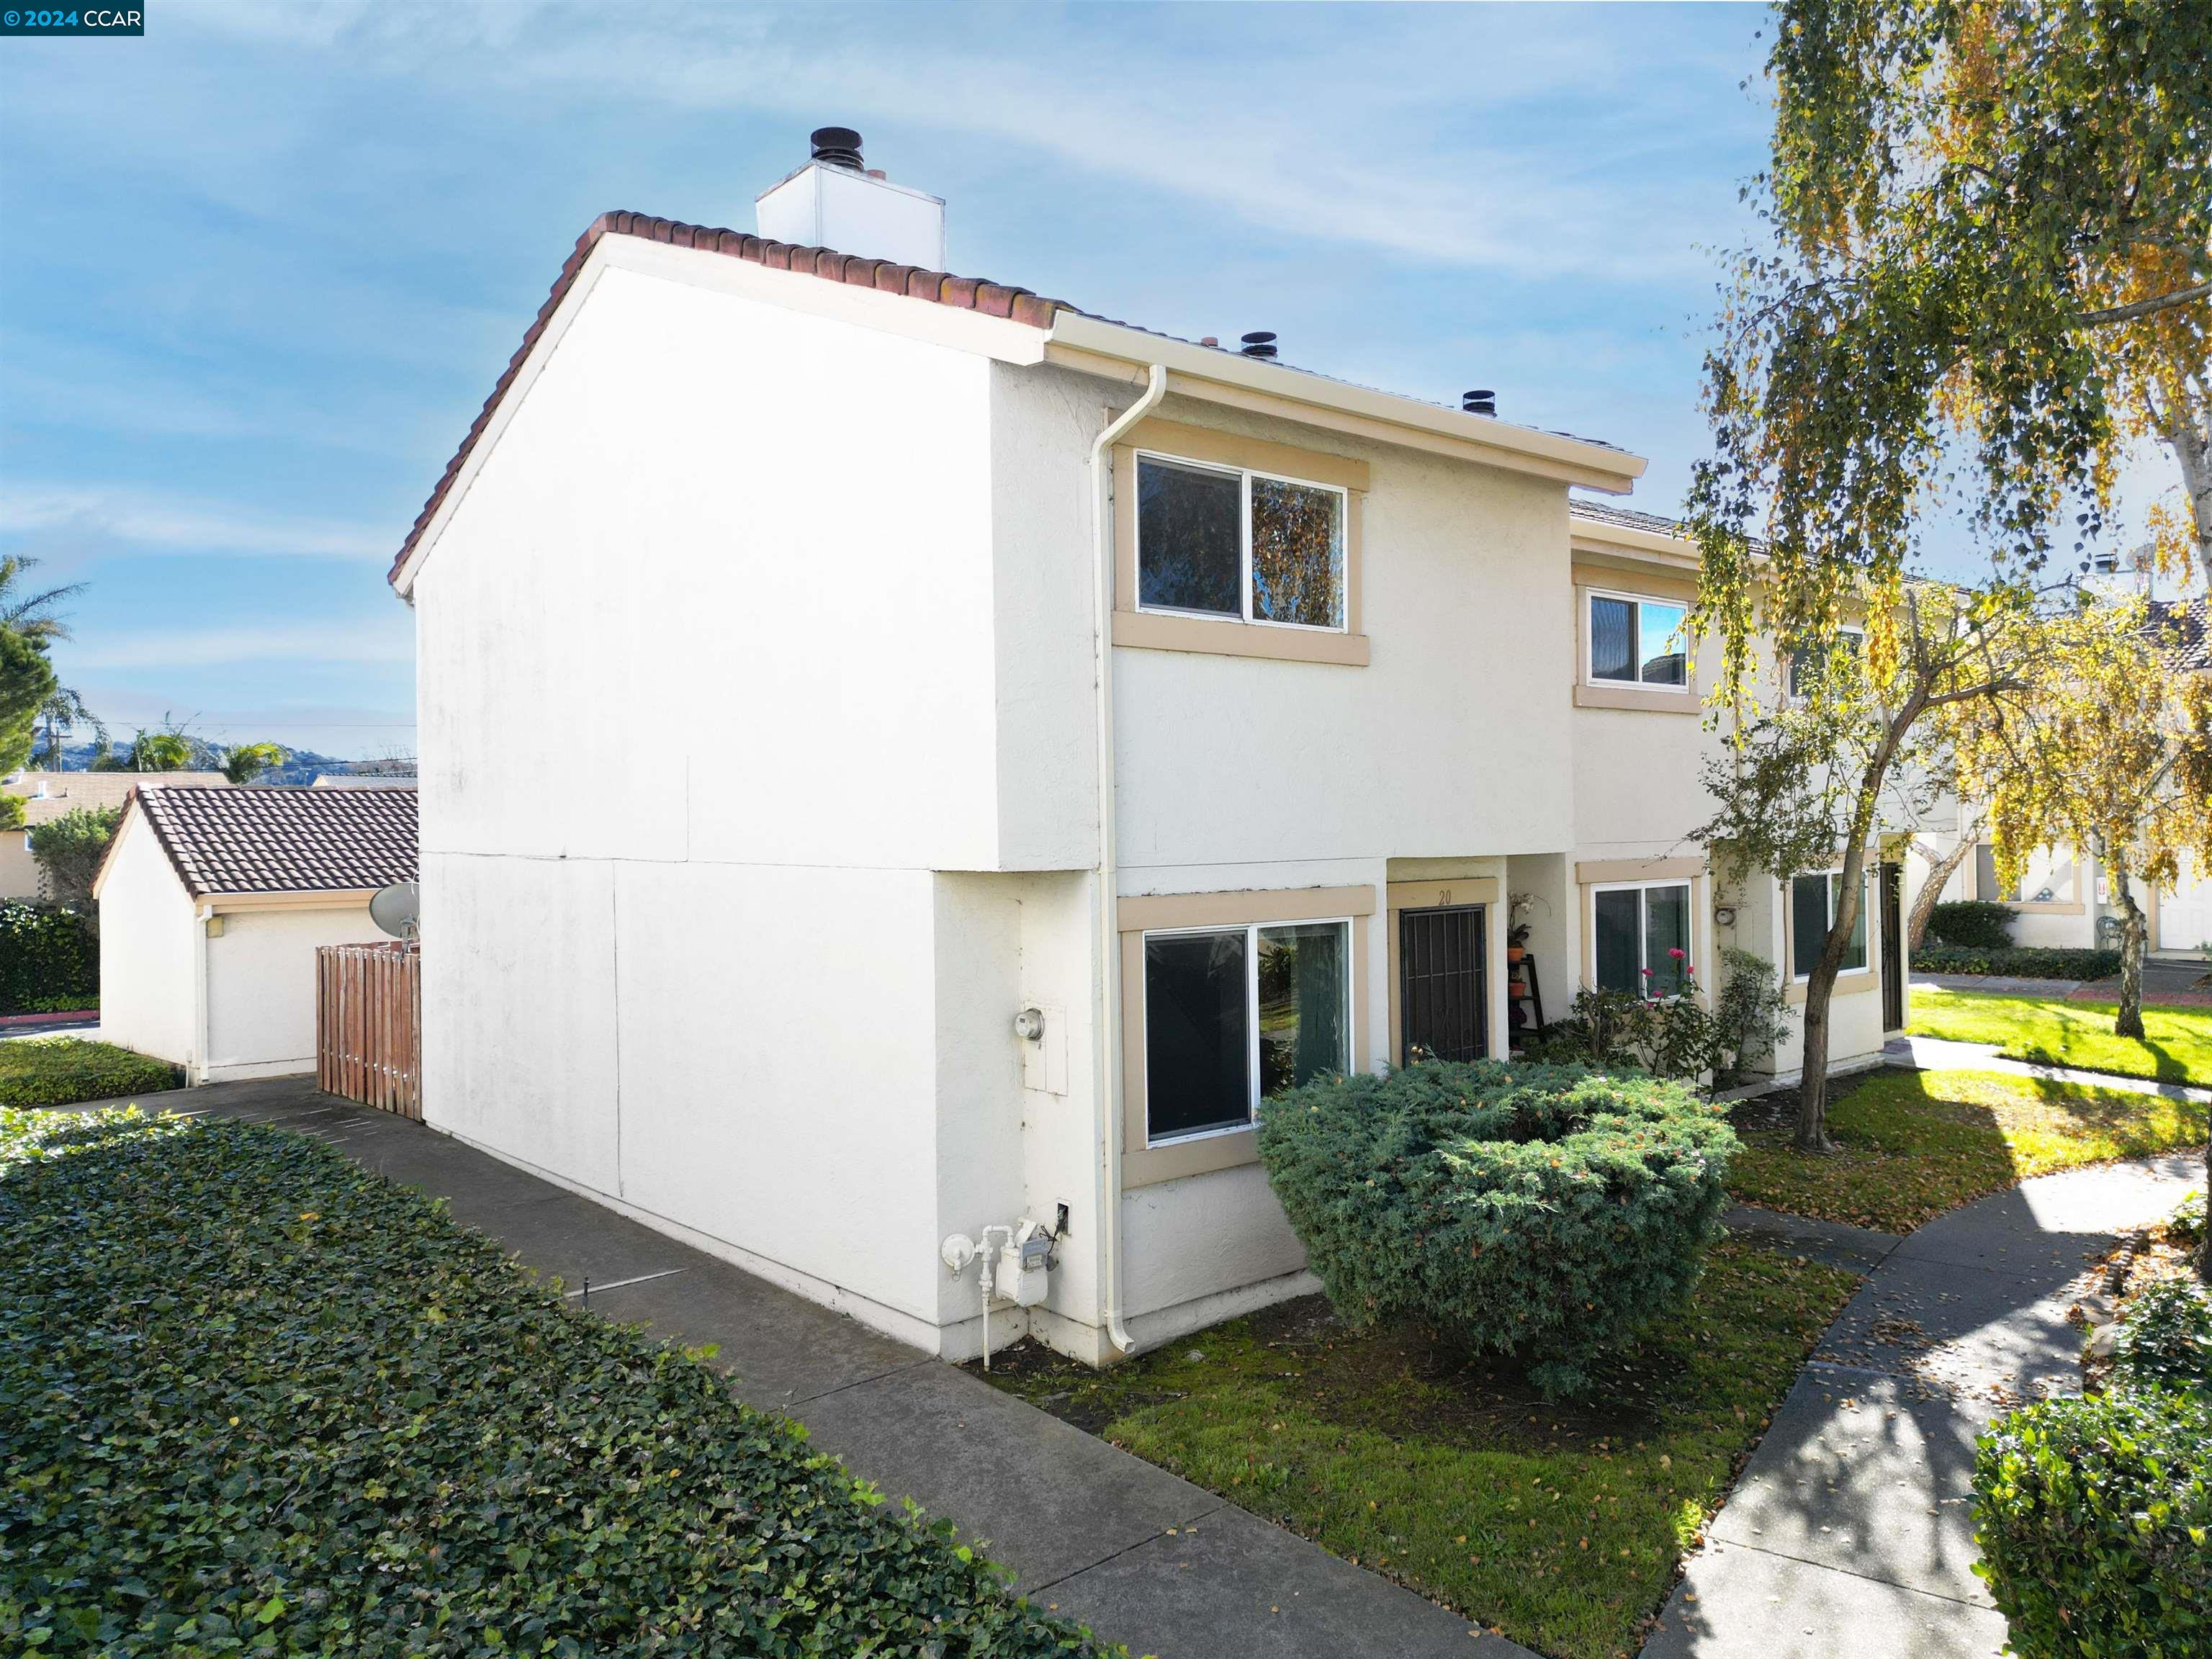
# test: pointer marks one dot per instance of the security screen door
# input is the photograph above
(1442, 1006)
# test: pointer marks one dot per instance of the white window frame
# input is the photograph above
(1590, 675)
(1244, 475)
(1643, 924)
(1251, 930)
(1790, 664)
(1835, 880)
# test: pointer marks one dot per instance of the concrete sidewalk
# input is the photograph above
(1940, 1053)
(1090, 1531)
(1851, 1530)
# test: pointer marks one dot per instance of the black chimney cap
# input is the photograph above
(1481, 402)
(1261, 342)
(837, 146)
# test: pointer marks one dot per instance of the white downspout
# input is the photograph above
(1106, 1001)
(197, 1072)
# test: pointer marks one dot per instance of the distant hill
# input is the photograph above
(300, 766)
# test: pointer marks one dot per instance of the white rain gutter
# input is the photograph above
(1106, 999)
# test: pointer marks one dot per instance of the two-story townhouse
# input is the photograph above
(884, 580)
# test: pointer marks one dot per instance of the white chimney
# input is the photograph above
(834, 202)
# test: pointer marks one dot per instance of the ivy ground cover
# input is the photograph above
(1560, 1526)
(1912, 1144)
(254, 1400)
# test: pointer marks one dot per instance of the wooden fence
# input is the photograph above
(368, 1024)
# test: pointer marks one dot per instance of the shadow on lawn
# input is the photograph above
(2168, 1067)
(1913, 1144)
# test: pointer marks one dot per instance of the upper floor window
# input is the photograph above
(1805, 663)
(1216, 541)
(1814, 900)
(1636, 640)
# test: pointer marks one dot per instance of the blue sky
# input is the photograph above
(261, 266)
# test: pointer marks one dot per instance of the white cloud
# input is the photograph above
(163, 521)
(1360, 132)
(290, 639)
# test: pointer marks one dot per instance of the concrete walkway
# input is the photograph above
(1851, 1531)
(1940, 1053)
(1089, 1531)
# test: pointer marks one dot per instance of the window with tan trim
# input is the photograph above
(1237, 546)
(1814, 901)
(1236, 1015)
(1637, 639)
(1227, 1000)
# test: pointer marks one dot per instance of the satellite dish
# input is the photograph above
(396, 910)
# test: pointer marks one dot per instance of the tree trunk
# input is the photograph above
(1819, 988)
(2192, 451)
(1931, 889)
(2204, 1239)
(1813, 1084)
(2128, 1021)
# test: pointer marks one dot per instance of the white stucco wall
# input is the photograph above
(1447, 744)
(756, 554)
(261, 987)
(148, 943)
(1855, 1011)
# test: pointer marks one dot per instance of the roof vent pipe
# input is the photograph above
(837, 146)
(1483, 402)
(1259, 343)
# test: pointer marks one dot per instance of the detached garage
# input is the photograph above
(212, 902)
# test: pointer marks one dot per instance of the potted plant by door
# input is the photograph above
(1517, 907)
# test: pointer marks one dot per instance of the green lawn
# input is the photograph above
(256, 1399)
(59, 1071)
(1560, 1526)
(2176, 1046)
(1915, 1144)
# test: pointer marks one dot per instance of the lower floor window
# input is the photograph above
(1813, 902)
(1233, 1015)
(1642, 936)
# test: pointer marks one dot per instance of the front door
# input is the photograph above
(1443, 1003)
(1893, 965)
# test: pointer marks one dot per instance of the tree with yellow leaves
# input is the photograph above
(2106, 746)
(1989, 278)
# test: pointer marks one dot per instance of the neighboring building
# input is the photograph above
(2065, 897)
(851, 960)
(48, 795)
(363, 781)
(212, 902)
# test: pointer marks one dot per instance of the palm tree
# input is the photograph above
(31, 615)
(165, 751)
(61, 712)
(244, 761)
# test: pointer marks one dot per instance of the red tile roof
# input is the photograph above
(912, 281)
(284, 840)
(968, 293)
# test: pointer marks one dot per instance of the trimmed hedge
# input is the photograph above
(49, 960)
(1981, 924)
(2165, 1339)
(60, 1071)
(258, 1400)
(2094, 1520)
(1543, 1211)
(2018, 962)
